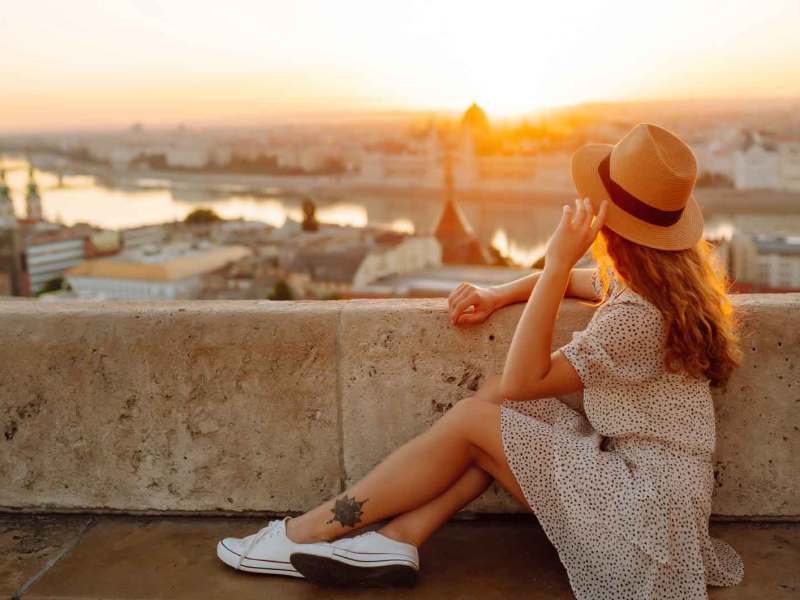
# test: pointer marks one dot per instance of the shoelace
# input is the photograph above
(265, 533)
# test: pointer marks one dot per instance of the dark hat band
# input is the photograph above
(631, 204)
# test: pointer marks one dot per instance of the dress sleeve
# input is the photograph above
(597, 285)
(596, 282)
(621, 345)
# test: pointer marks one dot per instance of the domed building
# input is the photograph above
(475, 119)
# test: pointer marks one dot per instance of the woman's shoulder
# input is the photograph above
(628, 315)
(620, 294)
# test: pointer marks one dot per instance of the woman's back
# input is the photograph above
(628, 391)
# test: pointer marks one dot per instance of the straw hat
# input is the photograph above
(648, 178)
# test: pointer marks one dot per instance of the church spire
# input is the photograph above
(7, 216)
(33, 200)
(459, 243)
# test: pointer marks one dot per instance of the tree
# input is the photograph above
(52, 285)
(281, 291)
(202, 216)
(310, 222)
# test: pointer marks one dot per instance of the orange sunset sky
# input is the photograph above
(97, 63)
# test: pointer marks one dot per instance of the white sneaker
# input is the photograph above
(367, 560)
(266, 552)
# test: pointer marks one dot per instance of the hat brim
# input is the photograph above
(683, 234)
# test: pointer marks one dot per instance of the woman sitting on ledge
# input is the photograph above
(622, 490)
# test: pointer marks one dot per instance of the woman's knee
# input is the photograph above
(469, 414)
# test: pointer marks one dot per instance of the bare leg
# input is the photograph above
(415, 473)
(417, 526)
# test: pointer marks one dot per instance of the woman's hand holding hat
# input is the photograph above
(574, 234)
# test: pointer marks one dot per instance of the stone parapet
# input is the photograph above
(236, 406)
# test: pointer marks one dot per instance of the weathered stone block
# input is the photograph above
(209, 406)
(403, 365)
(758, 416)
(171, 406)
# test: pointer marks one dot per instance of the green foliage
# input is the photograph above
(202, 216)
(281, 291)
(52, 285)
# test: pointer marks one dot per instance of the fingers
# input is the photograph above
(458, 295)
(577, 219)
(471, 318)
(600, 218)
(462, 304)
(588, 213)
(566, 216)
(455, 294)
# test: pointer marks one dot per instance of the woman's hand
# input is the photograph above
(574, 235)
(482, 301)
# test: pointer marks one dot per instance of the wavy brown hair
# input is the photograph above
(690, 288)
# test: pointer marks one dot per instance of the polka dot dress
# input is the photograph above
(624, 490)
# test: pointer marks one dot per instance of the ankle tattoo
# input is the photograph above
(347, 511)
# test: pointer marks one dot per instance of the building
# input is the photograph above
(47, 256)
(10, 242)
(420, 166)
(789, 151)
(768, 161)
(765, 262)
(167, 273)
(187, 157)
(251, 278)
(343, 264)
(459, 243)
(778, 261)
(757, 167)
(33, 200)
(138, 237)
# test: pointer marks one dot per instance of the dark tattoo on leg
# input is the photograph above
(347, 511)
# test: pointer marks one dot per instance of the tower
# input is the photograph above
(459, 243)
(33, 200)
(7, 216)
(10, 242)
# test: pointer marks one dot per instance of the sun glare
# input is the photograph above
(239, 62)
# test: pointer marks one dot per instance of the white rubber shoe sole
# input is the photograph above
(255, 565)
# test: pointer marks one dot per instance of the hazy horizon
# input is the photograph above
(90, 65)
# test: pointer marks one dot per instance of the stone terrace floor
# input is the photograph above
(137, 558)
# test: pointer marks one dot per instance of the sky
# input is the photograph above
(100, 63)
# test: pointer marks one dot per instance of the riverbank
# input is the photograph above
(713, 199)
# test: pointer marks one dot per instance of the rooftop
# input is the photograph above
(168, 263)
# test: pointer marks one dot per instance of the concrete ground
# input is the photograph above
(115, 558)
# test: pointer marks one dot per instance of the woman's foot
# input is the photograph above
(266, 552)
(367, 560)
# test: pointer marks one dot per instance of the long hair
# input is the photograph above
(690, 288)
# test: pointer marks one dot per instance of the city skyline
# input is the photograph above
(91, 64)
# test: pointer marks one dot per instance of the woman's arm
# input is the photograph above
(520, 290)
(484, 301)
(530, 371)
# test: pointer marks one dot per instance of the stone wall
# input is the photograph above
(274, 406)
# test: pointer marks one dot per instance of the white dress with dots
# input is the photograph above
(624, 492)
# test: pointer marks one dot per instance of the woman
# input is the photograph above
(622, 489)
